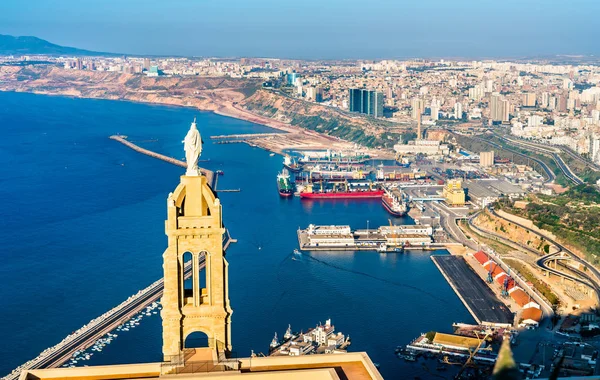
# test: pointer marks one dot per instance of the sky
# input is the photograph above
(312, 29)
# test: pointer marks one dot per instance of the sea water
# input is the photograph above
(82, 229)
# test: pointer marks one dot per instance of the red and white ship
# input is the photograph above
(343, 190)
(393, 201)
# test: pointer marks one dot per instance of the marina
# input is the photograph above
(321, 339)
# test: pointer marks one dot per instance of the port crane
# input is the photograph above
(472, 353)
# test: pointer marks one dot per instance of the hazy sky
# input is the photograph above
(312, 28)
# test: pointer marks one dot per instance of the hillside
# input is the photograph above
(366, 131)
(11, 45)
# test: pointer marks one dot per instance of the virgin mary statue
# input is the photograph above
(192, 145)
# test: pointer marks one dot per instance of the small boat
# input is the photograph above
(296, 251)
(272, 154)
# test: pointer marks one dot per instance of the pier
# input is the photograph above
(123, 140)
(382, 239)
(477, 297)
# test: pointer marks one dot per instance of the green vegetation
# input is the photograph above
(497, 246)
(539, 285)
(430, 335)
(330, 122)
(573, 216)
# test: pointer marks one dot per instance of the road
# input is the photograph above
(553, 152)
(562, 248)
(549, 173)
(541, 262)
(59, 354)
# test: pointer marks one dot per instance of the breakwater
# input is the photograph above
(85, 336)
(123, 140)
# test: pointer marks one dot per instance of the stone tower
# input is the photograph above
(194, 229)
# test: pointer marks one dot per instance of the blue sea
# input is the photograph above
(82, 229)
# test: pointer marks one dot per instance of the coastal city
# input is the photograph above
(330, 217)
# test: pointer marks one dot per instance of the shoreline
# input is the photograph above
(297, 138)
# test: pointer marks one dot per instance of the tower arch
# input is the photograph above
(194, 228)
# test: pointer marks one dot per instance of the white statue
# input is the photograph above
(192, 144)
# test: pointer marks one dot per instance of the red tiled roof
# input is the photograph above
(532, 313)
(482, 257)
(497, 271)
(520, 297)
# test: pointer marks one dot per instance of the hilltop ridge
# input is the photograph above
(21, 45)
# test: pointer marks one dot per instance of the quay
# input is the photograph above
(123, 140)
(85, 336)
(477, 297)
(382, 239)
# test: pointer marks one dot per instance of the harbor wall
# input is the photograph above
(123, 140)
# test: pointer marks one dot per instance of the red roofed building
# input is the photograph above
(482, 257)
(531, 316)
(520, 297)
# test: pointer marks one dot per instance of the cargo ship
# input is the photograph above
(338, 191)
(394, 203)
(284, 184)
(290, 164)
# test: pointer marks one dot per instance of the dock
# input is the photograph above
(123, 140)
(477, 297)
(382, 239)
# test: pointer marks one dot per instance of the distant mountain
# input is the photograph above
(10, 45)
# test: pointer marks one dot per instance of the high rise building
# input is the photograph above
(417, 108)
(545, 100)
(505, 110)
(355, 104)
(291, 79)
(366, 101)
(486, 159)
(529, 99)
(499, 108)
(311, 93)
(435, 112)
(458, 111)
(79, 64)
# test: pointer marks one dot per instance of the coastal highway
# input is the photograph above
(541, 262)
(87, 335)
(585, 279)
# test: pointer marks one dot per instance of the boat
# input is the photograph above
(394, 203)
(284, 184)
(296, 251)
(348, 191)
(290, 164)
(272, 154)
